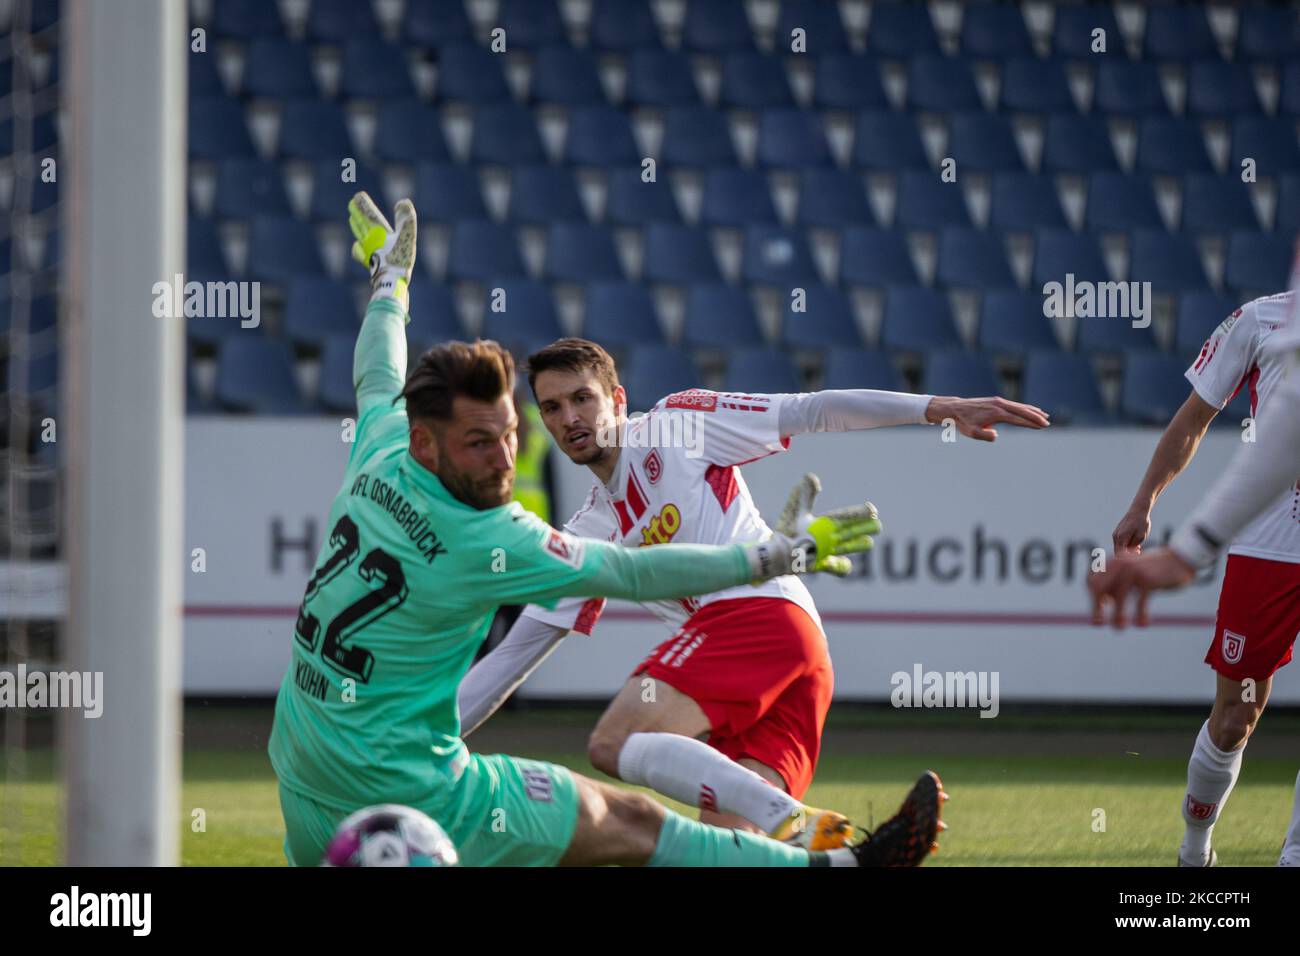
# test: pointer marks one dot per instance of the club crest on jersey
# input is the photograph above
(566, 548)
(1233, 646)
(654, 467)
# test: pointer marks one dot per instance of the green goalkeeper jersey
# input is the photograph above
(403, 594)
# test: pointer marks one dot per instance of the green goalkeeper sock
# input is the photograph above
(684, 842)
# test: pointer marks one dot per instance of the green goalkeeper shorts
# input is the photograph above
(504, 811)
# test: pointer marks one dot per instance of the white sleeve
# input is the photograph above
(732, 428)
(493, 679)
(846, 410)
(1227, 358)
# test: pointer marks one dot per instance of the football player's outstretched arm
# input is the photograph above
(492, 680)
(842, 410)
(379, 363)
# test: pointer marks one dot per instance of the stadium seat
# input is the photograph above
(373, 68)
(1288, 203)
(1172, 146)
(470, 73)
(844, 81)
(1267, 32)
(826, 321)
(960, 373)
(1063, 385)
(1171, 263)
(677, 254)
(1217, 88)
(718, 26)
(600, 136)
(1078, 144)
(275, 67)
(1031, 85)
(409, 131)
(281, 249)
(1258, 263)
(777, 256)
(941, 83)
(1060, 252)
(316, 308)
(581, 252)
(446, 192)
(566, 76)
(433, 316)
(697, 136)
(530, 24)
(1072, 31)
(653, 371)
(216, 129)
(540, 195)
(1217, 204)
(436, 23)
(1269, 141)
(631, 202)
(1112, 333)
(1289, 100)
(335, 392)
(336, 21)
(205, 261)
(244, 19)
(1013, 323)
(901, 30)
(830, 198)
(1024, 202)
(1199, 314)
(249, 187)
(528, 320)
(926, 202)
(995, 32)
(623, 25)
(972, 258)
(1178, 33)
(718, 315)
(330, 194)
(1120, 201)
(983, 142)
(660, 78)
(40, 372)
(255, 375)
(506, 134)
(621, 314)
(736, 197)
(204, 80)
(822, 27)
(876, 257)
(754, 81)
(757, 368)
(1153, 388)
(918, 320)
(791, 138)
(314, 129)
(1128, 87)
(481, 250)
(861, 368)
(885, 140)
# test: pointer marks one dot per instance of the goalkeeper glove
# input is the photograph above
(388, 251)
(805, 542)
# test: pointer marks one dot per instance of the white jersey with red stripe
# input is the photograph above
(1249, 350)
(678, 480)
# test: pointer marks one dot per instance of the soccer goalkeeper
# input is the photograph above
(424, 545)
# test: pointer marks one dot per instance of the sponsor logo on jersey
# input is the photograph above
(537, 785)
(654, 467)
(1233, 646)
(695, 399)
(1199, 811)
(568, 549)
(662, 526)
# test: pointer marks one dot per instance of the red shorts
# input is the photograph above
(760, 671)
(1259, 617)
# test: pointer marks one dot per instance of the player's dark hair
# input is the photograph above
(574, 355)
(482, 370)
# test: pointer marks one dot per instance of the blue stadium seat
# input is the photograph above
(621, 314)
(1172, 146)
(249, 187)
(314, 129)
(736, 197)
(409, 131)
(204, 80)
(1216, 88)
(754, 81)
(1031, 85)
(481, 250)
(470, 73)
(941, 83)
(718, 315)
(792, 138)
(1072, 31)
(1288, 203)
(1267, 32)
(436, 23)
(1153, 389)
(529, 319)
(315, 308)
(653, 371)
(205, 260)
(1060, 252)
(660, 78)
(995, 32)
(330, 194)
(433, 316)
(336, 21)
(777, 256)
(600, 136)
(844, 81)
(1217, 204)
(887, 140)
(255, 375)
(281, 249)
(1128, 87)
(972, 258)
(831, 198)
(1112, 333)
(1119, 201)
(1012, 323)
(697, 136)
(540, 195)
(901, 30)
(581, 252)
(244, 19)
(1270, 141)
(1023, 201)
(983, 142)
(1063, 385)
(276, 67)
(567, 76)
(926, 202)
(1289, 100)
(719, 26)
(1199, 314)
(826, 321)
(216, 129)
(373, 68)
(876, 257)
(531, 23)
(823, 29)
(631, 202)
(918, 320)
(1077, 144)
(677, 254)
(506, 134)
(1171, 263)
(861, 368)
(758, 368)
(41, 374)
(335, 392)
(446, 192)
(1178, 33)
(969, 374)
(623, 25)
(1258, 263)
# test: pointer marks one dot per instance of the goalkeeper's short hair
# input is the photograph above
(481, 370)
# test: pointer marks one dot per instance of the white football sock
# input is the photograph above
(1291, 848)
(1211, 775)
(693, 773)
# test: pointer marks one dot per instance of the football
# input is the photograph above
(390, 835)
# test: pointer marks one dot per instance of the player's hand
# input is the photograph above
(827, 538)
(1135, 576)
(975, 417)
(1133, 529)
(388, 251)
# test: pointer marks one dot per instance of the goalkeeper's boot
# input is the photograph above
(910, 835)
(814, 829)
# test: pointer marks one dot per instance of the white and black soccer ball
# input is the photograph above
(390, 835)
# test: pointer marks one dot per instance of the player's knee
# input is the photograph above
(603, 749)
(639, 818)
(1232, 725)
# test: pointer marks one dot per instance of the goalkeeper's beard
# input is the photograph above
(477, 492)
